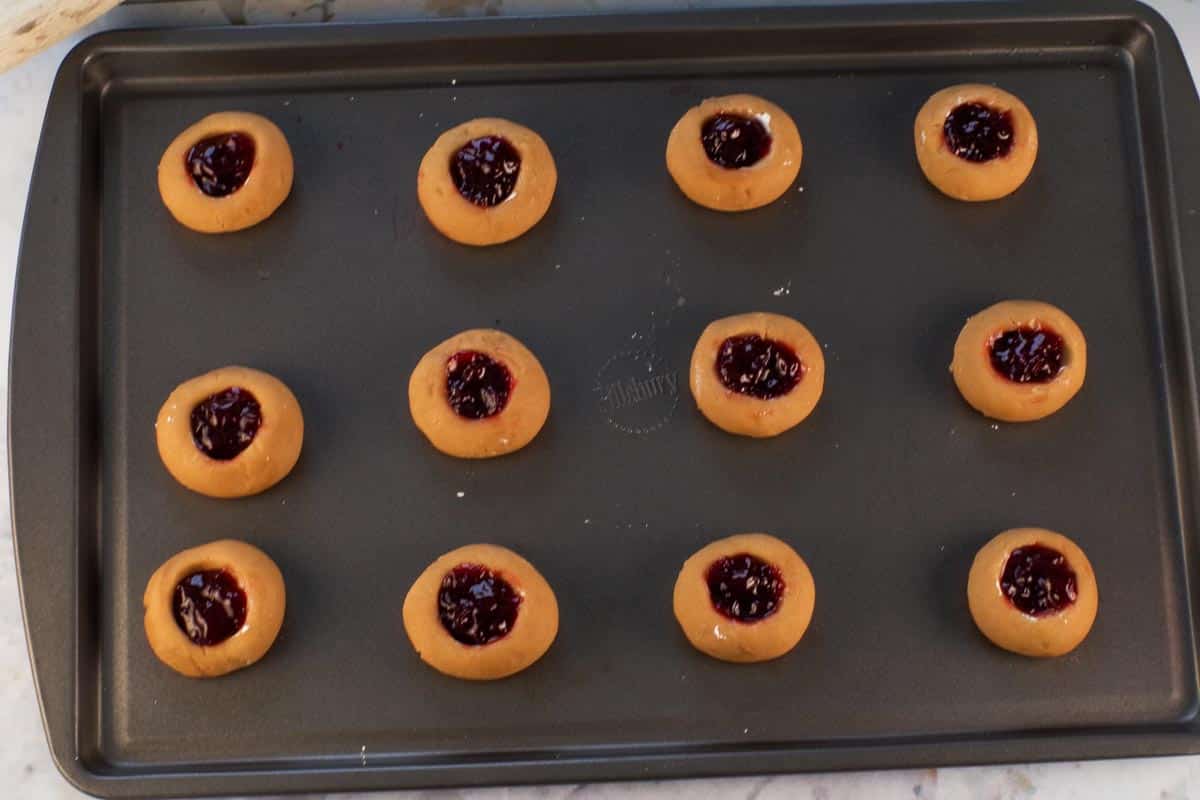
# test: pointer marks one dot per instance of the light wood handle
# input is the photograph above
(30, 26)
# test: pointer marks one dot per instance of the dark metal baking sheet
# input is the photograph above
(887, 489)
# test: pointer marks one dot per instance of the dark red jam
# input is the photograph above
(744, 588)
(224, 424)
(221, 164)
(485, 170)
(477, 386)
(1028, 355)
(476, 606)
(1038, 580)
(734, 141)
(762, 368)
(978, 133)
(209, 606)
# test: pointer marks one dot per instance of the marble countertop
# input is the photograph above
(25, 766)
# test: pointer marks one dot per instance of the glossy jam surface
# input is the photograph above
(476, 606)
(744, 588)
(976, 132)
(1038, 580)
(734, 141)
(485, 170)
(477, 386)
(209, 606)
(759, 367)
(221, 164)
(224, 424)
(1028, 355)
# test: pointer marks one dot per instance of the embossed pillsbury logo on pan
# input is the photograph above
(636, 392)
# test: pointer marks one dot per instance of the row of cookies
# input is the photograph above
(482, 393)
(483, 612)
(489, 180)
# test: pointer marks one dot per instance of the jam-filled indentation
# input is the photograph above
(759, 367)
(735, 141)
(477, 386)
(476, 606)
(1028, 354)
(224, 424)
(485, 170)
(976, 132)
(209, 606)
(744, 587)
(1038, 580)
(220, 164)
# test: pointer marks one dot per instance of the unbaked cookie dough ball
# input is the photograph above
(975, 142)
(734, 153)
(757, 374)
(744, 598)
(227, 172)
(481, 612)
(232, 432)
(214, 609)
(479, 394)
(486, 181)
(1019, 360)
(1033, 591)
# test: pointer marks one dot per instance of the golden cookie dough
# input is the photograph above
(254, 573)
(993, 394)
(1050, 632)
(507, 425)
(260, 464)
(744, 413)
(962, 178)
(265, 188)
(500, 644)
(734, 188)
(765, 634)
(466, 222)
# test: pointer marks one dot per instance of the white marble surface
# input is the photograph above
(25, 767)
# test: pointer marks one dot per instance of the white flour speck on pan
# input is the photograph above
(460, 494)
